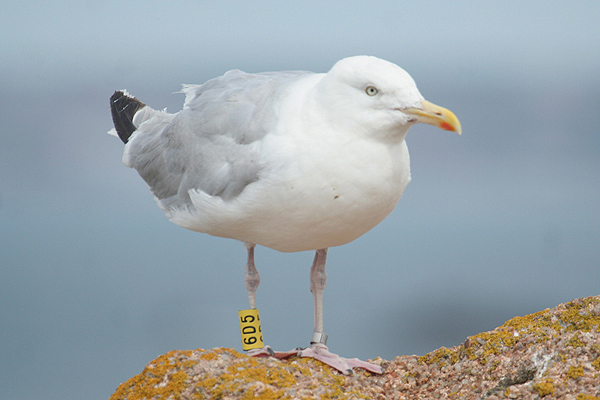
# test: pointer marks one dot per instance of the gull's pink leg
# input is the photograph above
(252, 280)
(318, 350)
(318, 280)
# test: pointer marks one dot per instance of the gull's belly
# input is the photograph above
(329, 217)
(310, 206)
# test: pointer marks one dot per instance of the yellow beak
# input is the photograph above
(435, 115)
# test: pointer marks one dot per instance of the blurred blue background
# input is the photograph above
(502, 221)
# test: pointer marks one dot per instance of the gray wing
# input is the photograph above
(210, 144)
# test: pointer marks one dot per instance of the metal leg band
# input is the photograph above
(319, 337)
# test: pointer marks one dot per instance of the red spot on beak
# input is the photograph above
(446, 126)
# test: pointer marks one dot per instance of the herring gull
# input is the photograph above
(288, 160)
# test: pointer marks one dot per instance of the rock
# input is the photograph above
(551, 354)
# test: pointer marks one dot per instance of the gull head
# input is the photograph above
(377, 98)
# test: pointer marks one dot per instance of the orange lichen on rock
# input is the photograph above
(225, 373)
(544, 388)
(161, 378)
(548, 354)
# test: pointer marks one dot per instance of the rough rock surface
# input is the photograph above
(551, 354)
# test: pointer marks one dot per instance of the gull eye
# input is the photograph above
(371, 90)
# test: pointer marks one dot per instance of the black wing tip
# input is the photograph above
(123, 107)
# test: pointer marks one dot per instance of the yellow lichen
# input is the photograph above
(441, 356)
(166, 377)
(494, 343)
(575, 372)
(493, 367)
(525, 323)
(255, 371)
(578, 317)
(544, 388)
(583, 396)
(543, 325)
(251, 378)
(575, 341)
(575, 316)
(160, 379)
(596, 364)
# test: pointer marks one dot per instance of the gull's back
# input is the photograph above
(211, 144)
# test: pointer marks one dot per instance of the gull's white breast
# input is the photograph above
(319, 187)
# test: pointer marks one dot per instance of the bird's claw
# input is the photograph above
(267, 351)
(320, 352)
